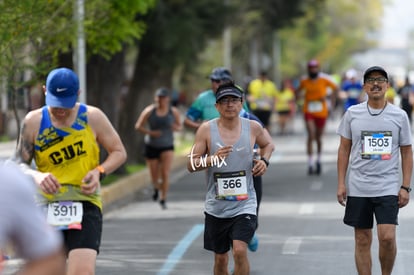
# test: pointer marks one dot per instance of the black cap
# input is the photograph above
(228, 90)
(220, 73)
(375, 69)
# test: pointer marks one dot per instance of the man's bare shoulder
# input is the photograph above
(255, 125)
(204, 129)
(33, 117)
(94, 113)
(97, 119)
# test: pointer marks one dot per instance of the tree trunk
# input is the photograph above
(103, 88)
(147, 77)
(104, 83)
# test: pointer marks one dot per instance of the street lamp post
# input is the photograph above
(79, 54)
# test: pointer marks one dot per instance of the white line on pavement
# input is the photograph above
(292, 245)
(306, 209)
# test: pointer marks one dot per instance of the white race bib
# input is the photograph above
(65, 215)
(263, 104)
(231, 186)
(376, 145)
(315, 106)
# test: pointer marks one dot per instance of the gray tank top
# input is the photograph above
(163, 123)
(232, 178)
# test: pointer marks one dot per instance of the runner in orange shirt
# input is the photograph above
(314, 90)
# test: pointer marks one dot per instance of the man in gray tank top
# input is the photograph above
(224, 147)
(374, 134)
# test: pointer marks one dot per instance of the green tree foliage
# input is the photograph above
(177, 30)
(331, 33)
(36, 35)
(111, 24)
(254, 27)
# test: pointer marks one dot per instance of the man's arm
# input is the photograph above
(106, 136)
(263, 140)
(199, 150)
(265, 143)
(407, 169)
(24, 153)
(344, 151)
(25, 146)
(191, 124)
(194, 115)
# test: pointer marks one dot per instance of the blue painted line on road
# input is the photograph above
(180, 249)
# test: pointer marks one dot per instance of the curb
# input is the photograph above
(125, 189)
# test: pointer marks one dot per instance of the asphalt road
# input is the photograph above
(300, 224)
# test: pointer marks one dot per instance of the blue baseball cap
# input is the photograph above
(220, 73)
(62, 86)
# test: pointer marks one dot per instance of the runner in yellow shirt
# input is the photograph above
(262, 96)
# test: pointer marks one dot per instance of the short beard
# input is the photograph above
(313, 75)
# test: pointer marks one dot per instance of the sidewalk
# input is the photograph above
(7, 149)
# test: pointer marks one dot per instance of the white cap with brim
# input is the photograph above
(62, 86)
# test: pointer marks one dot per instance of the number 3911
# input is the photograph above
(64, 210)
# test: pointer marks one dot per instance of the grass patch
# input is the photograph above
(132, 168)
(184, 147)
(4, 138)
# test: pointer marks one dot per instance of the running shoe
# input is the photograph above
(254, 243)
(163, 204)
(155, 195)
(318, 168)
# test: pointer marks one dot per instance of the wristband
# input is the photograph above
(265, 161)
(102, 173)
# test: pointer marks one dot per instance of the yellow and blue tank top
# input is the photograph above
(68, 153)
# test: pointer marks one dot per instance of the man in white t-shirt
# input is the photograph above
(24, 228)
(374, 134)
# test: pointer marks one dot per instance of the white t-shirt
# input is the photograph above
(375, 153)
(22, 223)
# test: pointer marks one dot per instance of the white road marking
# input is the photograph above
(316, 185)
(306, 209)
(292, 245)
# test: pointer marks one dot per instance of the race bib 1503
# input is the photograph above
(376, 145)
